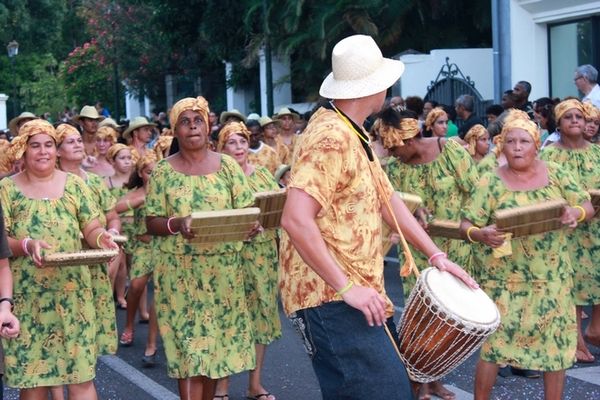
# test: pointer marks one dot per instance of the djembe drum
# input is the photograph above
(443, 323)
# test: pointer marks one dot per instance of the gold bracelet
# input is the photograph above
(583, 213)
(469, 233)
(343, 290)
(98, 239)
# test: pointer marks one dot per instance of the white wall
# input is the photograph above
(421, 69)
(3, 121)
(237, 99)
(282, 88)
(136, 106)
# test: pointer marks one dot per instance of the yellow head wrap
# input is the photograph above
(149, 158)
(5, 159)
(115, 149)
(64, 130)
(163, 144)
(517, 121)
(590, 112)
(472, 135)
(29, 129)
(107, 132)
(232, 128)
(393, 137)
(565, 106)
(433, 116)
(189, 103)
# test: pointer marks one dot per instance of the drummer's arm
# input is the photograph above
(299, 221)
(113, 222)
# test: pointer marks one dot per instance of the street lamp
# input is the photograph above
(13, 50)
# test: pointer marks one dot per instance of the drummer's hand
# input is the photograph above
(106, 241)
(9, 325)
(256, 230)
(185, 227)
(423, 217)
(443, 264)
(569, 217)
(34, 247)
(369, 302)
(489, 236)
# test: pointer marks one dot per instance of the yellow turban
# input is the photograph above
(476, 132)
(5, 159)
(163, 144)
(590, 112)
(232, 128)
(517, 121)
(393, 137)
(189, 103)
(115, 149)
(149, 158)
(433, 116)
(64, 130)
(107, 132)
(29, 129)
(565, 106)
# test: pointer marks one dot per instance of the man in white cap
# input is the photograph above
(331, 262)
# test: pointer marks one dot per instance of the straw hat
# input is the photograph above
(359, 69)
(264, 121)
(253, 116)
(12, 125)
(109, 122)
(283, 168)
(232, 113)
(137, 122)
(88, 112)
(286, 111)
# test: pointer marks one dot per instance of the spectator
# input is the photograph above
(586, 78)
(508, 101)
(492, 112)
(520, 96)
(465, 110)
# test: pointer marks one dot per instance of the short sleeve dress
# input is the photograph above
(444, 185)
(127, 225)
(199, 290)
(584, 242)
(260, 263)
(143, 254)
(532, 287)
(55, 305)
(106, 337)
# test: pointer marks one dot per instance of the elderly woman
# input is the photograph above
(478, 142)
(442, 173)
(105, 137)
(592, 122)
(199, 290)
(436, 123)
(70, 154)
(582, 160)
(45, 210)
(260, 263)
(531, 283)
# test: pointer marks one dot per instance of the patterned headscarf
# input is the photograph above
(476, 132)
(433, 115)
(163, 144)
(393, 137)
(232, 128)
(115, 149)
(29, 129)
(64, 130)
(148, 158)
(189, 103)
(520, 120)
(107, 132)
(5, 158)
(590, 111)
(565, 106)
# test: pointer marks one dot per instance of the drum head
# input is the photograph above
(459, 300)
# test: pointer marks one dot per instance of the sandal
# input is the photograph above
(126, 338)
(261, 396)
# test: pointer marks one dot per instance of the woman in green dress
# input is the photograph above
(199, 290)
(45, 210)
(531, 281)
(478, 142)
(582, 160)
(443, 174)
(260, 264)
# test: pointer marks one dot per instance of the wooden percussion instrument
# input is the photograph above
(79, 258)
(223, 225)
(443, 323)
(271, 207)
(531, 219)
(444, 228)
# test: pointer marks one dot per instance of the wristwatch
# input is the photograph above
(9, 300)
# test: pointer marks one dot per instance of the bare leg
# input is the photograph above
(121, 280)
(152, 331)
(82, 391)
(592, 333)
(255, 387)
(583, 353)
(38, 393)
(57, 392)
(554, 384)
(222, 388)
(143, 304)
(197, 388)
(437, 389)
(136, 287)
(485, 377)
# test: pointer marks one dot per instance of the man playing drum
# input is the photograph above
(331, 259)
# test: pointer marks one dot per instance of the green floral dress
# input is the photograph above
(106, 324)
(127, 224)
(489, 163)
(532, 287)
(55, 305)
(143, 254)
(199, 290)
(444, 185)
(260, 263)
(584, 242)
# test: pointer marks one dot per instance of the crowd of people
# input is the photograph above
(215, 306)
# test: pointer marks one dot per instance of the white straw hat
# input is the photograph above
(359, 69)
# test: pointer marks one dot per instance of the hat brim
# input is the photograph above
(381, 79)
(77, 118)
(228, 114)
(295, 116)
(273, 121)
(127, 133)
(12, 125)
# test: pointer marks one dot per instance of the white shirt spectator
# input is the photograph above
(593, 96)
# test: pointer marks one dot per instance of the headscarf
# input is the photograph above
(393, 137)
(115, 149)
(565, 106)
(163, 143)
(232, 128)
(590, 111)
(64, 130)
(506, 116)
(107, 131)
(473, 134)
(148, 158)
(29, 129)
(189, 103)
(433, 115)
(5, 159)
(516, 120)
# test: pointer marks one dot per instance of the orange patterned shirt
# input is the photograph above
(283, 150)
(264, 156)
(332, 167)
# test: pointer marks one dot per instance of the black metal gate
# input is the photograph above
(449, 84)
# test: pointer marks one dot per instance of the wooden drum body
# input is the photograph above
(443, 323)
